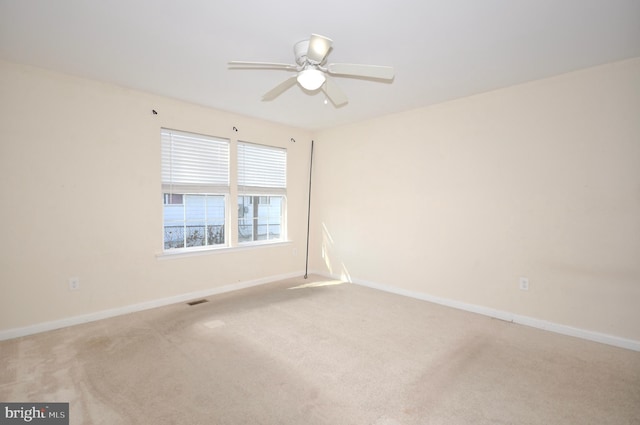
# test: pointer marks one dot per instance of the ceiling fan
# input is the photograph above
(314, 73)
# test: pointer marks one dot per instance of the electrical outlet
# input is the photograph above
(74, 283)
(295, 252)
(524, 283)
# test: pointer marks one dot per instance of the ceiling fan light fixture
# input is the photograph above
(311, 79)
(318, 47)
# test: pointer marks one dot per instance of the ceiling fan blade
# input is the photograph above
(319, 46)
(334, 92)
(280, 88)
(370, 71)
(262, 65)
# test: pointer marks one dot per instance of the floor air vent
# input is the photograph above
(198, 302)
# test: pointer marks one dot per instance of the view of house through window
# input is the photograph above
(198, 221)
(259, 218)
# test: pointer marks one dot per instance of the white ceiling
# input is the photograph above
(441, 49)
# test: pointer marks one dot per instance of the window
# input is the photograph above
(259, 218)
(195, 185)
(262, 189)
(198, 222)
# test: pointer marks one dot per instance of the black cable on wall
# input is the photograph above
(306, 266)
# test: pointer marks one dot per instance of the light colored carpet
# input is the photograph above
(335, 354)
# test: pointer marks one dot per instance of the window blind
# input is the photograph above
(192, 163)
(261, 169)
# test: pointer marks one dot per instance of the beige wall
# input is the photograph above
(81, 197)
(459, 200)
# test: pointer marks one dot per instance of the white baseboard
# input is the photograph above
(485, 311)
(615, 341)
(105, 314)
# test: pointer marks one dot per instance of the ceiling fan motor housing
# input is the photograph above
(300, 50)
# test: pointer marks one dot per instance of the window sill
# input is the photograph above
(169, 255)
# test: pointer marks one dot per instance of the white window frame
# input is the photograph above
(262, 171)
(195, 164)
(207, 221)
(282, 217)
